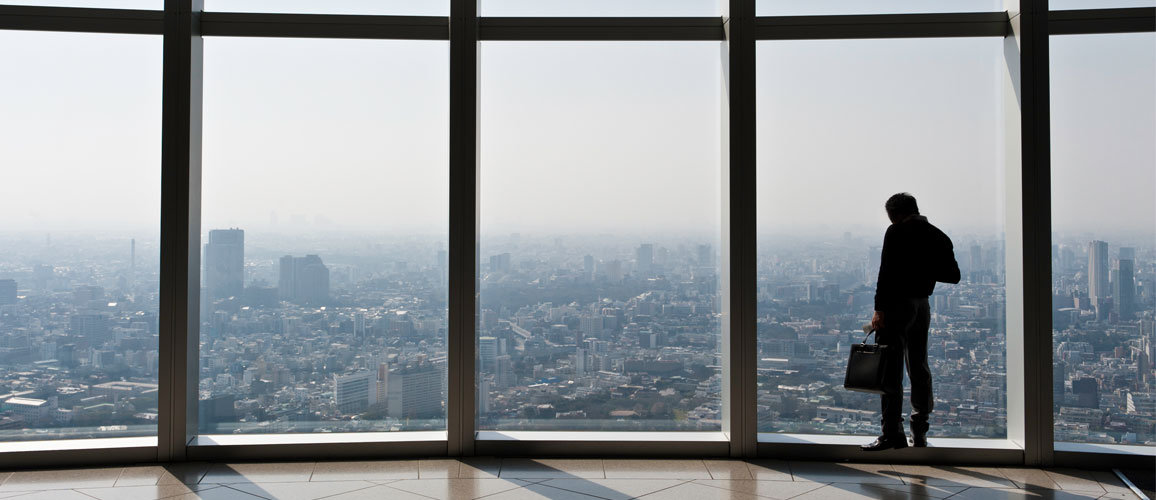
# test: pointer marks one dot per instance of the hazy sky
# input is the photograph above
(575, 137)
(1104, 133)
(326, 134)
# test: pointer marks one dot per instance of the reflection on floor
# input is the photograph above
(566, 479)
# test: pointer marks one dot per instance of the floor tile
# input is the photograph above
(380, 492)
(140, 475)
(61, 479)
(539, 492)
(771, 470)
(522, 468)
(259, 472)
(438, 468)
(376, 470)
(695, 491)
(947, 475)
(858, 491)
(4, 476)
(302, 491)
(613, 489)
(219, 492)
(183, 473)
(457, 489)
(1110, 482)
(765, 489)
(1073, 479)
(728, 469)
(1020, 494)
(1029, 478)
(10, 494)
(824, 472)
(147, 492)
(479, 467)
(656, 469)
(54, 495)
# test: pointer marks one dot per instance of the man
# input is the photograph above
(916, 254)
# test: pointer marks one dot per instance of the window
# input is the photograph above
(1104, 248)
(102, 4)
(600, 221)
(599, 8)
(364, 7)
(844, 7)
(324, 225)
(79, 274)
(843, 125)
(1098, 4)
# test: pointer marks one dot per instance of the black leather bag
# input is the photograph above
(865, 367)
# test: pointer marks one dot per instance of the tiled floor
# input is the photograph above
(564, 479)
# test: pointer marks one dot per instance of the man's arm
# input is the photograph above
(948, 267)
(884, 284)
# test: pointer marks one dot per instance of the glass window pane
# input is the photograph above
(600, 220)
(324, 224)
(843, 7)
(99, 4)
(366, 7)
(1098, 4)
(599, 8)
(1104, 247)
(843, 125)
(80, 140)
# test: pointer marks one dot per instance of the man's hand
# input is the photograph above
(877, 321)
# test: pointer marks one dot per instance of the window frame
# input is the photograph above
(1024, 26)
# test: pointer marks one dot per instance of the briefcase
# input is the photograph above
(865, 367)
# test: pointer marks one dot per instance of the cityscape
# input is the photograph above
(347, 333)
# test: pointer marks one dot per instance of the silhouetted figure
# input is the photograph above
(916, 254)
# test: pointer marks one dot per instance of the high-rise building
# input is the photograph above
(415, 392)
(588, 267)
(354, 392)
(500, 263)
(7, 292)
(304, 280)
(487, 352)
(1098, 271)
(1087, 391)
(644, 260)
(1123, 287)
(224, 266)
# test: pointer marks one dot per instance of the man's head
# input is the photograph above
(900, 206)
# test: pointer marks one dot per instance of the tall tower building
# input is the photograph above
(7, 292)
(1124, 287)
(224, 266)
(304, 280)
(1098, 271)
(644, 258)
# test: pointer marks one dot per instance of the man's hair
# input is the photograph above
(901, 205)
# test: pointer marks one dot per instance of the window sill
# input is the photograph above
(317, 438)
(78, 444)
(583, 436)
(1114, 449)
(842, 440)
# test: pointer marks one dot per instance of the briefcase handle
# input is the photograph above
(868, 330)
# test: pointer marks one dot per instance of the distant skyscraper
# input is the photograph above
(224, 265)
(304, 280)
(975, 258)
(706, 255)
(644, 260)
(588, 267)
(1098, 270)
(7, 292)
(1123, 287)
(500, 263)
